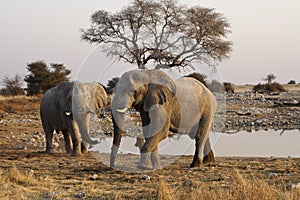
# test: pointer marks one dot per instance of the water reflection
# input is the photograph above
(243, 143)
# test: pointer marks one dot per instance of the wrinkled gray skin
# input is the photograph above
(183, 106)
(67, 108)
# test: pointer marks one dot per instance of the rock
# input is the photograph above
(292, 186)
(94, 177)
(146, 177)
(247, 167)
(272, 174)
(80, 195)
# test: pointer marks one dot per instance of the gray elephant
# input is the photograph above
(183, 106)
(68, 108)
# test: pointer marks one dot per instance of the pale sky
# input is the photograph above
(265, 33)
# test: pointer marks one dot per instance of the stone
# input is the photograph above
(146, 177)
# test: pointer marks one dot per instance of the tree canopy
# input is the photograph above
(162, 32)
(42, 77)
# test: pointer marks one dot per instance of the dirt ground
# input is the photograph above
(61, 176)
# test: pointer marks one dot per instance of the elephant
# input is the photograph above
(67, 107)
(183, 106)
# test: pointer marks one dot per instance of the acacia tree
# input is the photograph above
(269, 78)
(162, 32)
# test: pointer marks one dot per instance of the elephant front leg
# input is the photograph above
(68, 141)
(76, 140)
(84, 147)
(149, 151)
(49, 146)
(145, 162)
(155, 158)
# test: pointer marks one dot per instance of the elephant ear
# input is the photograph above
(159, 77)
(100, 96)
(161, 89)
(64, 97)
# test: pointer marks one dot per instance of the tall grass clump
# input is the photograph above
(17, 185)
(163, 191)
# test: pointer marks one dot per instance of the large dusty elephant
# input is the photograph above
(68, 108)
(183, 106)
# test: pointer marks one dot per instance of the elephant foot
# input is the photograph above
(76, 154)
(195, 163)
(155, 160)
(69, 151)
(156, 166)
(209, 158)
(49, 151)
(83, 151)
(144, 167)
(145, 162)
(83, 148)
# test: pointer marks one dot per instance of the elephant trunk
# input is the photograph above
(116, 143)
(83, 125)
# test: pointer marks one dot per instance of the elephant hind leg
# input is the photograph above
(202, 141)
(68, 141)
(208, 153)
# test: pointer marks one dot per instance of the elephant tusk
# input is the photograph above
(122, 110)
(68, 113)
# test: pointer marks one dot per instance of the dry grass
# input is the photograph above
(241, 188)
(17, 185)
(12, 104)
(22, 183)
(249, 88)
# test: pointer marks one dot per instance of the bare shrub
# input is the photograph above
(228, 87)
(272, 87)
(13, 86)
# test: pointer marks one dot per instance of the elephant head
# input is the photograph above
(87, 98)
(132, 88)
(64, 98)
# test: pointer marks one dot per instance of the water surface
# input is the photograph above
(246, 144)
